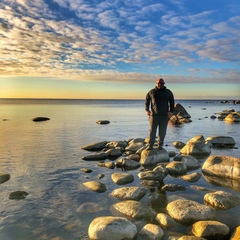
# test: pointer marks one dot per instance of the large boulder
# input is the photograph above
(222, 166)
(153, 157)
(196, 146)
(221, 141)
(135, 209)
(114, 228)
(210, 230)
(180, 115)
(188, 211)
(221, 200)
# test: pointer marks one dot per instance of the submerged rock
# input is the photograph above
(40, 119)
(103, 122)
(4, 177)
(18, 195)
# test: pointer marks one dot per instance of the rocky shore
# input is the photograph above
(154, 165)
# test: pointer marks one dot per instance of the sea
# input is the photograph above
(45, 160)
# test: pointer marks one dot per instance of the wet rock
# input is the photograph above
(95, 146)
(173, 187)
(127, 164)
(95, 157)
(192, 177)
(210, 230)
(150, 232)
(116, 228)
(89, 207)
(18, 195)
(165, 220)
(233, 117)
(222, 166)
(196, 147)
(236, 234)
(95, 186)
(129, 193)
(113, 153)
(122, 178)
(86, 170)
(221, 200)
(135, 209)
(110, 165)
(4, 177)
(153, 157)
(101, 175)
(221, 141)
(178, 144)
(188, 211)
(176, 168)
(152, 175)
(103, 122)
(191, 162)
(40, 119)
(187, 237)
(134, 146)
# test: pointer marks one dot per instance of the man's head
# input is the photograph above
(160, 83)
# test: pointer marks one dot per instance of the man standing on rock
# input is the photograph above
(161, 101)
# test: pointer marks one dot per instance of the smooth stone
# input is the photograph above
(95, 186)
(135, 209)
(86, 170)
(110, 165)
(129, 193)
(221, 200)
(122, 178)
(178, 144)
(220, 141)
(103, 122)
(236, 234)
(176, 168)
(40, 119)
(4, 177)
(188, 211)
(127, 164)
(165, 220)
(113, 153)
(114, 228)
(133, 147)
(150, 232)
(173, 187)
(95, 157)
(18, 195)
(222, 166)
(210, 229)
(192, 177)
(95, 146)
(191, 162)
(151, 175)
(233, 117)
(187, 237)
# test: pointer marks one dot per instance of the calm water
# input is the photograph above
(44, 159)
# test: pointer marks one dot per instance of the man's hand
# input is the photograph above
(148, 113)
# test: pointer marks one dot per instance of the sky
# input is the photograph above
(117, 49)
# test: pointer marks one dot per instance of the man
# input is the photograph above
(161, 100)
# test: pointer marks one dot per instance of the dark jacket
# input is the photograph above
(161, 101)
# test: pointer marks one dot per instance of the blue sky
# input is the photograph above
(118, 49)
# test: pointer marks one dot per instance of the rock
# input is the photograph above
(18, 195)
(150, 232)
(191, 162)
(86, 170)
(137, 140)
(221, 200)
(135, 209)
(236, 234)
(233, 117)
(122, 178)
(213, 117)
(116, 227)
(95, 146)
(115, 144)
(110, 165)
(101, 175)
(113, 153)
(221, 141)
(171, 154)
(180, 115)
(173, 187)
(95, 157)
(222, 166)
(196, 146)
(95, 186)
(40, 119)
(165, 220)
(187, 237)
(103, 122)
(178, 144)
(152, 175)
(89, 207)
(153, 157)
(192, 177)
(210, 230)
(129, 193)
(134, 146)
(127, 164)
(188, 211)
(134, 157)
(176, 168)
(4, 177)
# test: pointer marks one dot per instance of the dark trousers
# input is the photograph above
(161, 123)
